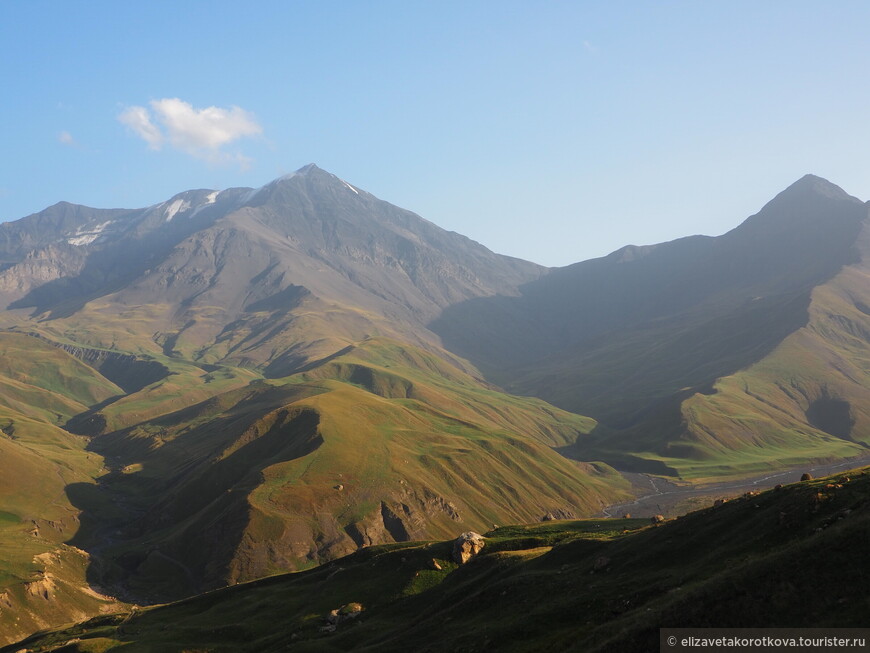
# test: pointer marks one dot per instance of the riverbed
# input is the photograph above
(658, 496)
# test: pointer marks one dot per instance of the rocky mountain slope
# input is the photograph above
(281, 276)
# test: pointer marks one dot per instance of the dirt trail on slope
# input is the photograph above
(658, 496)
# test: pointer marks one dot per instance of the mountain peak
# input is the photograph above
(816, 185)
(304, 170)
(301, 172)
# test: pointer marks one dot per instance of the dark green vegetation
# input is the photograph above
(231, 385)
(783, 558)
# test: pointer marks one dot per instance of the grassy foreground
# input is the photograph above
(794, 556)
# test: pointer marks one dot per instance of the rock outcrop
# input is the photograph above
(466, 546)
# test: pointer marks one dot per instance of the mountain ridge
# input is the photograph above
(619, 336)
(391, 260)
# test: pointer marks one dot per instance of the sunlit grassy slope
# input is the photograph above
(42, 580)
(42, 381)
(784, 558)
(213, 475)
(383, 443)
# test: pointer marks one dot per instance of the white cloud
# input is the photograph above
(198, 132)
(66, 138)
(209, 128)
(139, 120)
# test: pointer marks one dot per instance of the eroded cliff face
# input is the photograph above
(131, 373)
(57, 592)
(409, 514)
(38, 267)
(235, 542)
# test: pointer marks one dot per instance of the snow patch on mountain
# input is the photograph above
(178, 206)
(87, 235)
(87, 239)
(209, 200)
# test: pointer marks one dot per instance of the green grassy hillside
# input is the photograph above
(783, 558)
(383, 443)
(43, 468)
(205, 475)
(42, 580)
(46, 383)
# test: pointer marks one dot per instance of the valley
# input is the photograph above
(659, 496)
(203, 395)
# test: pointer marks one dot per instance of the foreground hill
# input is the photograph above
(709, 356)
(783, 558)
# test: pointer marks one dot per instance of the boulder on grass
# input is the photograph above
(466, 546)
(345, 612)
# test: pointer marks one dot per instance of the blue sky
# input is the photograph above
(555, 131)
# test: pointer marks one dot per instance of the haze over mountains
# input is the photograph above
(702, 352)
(235, 383)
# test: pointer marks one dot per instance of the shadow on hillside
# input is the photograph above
(610, 336)
(620, 376)
(599, 446)
(289, 363)
(168, 521)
